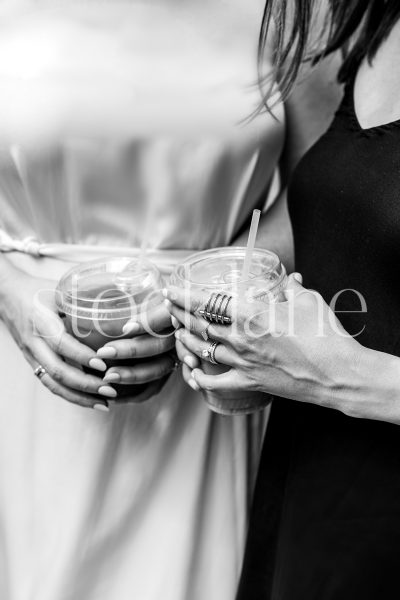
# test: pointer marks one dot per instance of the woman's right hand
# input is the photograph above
(28, 308)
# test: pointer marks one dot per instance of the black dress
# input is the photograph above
(325, 523)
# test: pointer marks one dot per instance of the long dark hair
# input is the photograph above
(357, 27)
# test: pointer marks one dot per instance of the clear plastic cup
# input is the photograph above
(219, 271)
(97, 298)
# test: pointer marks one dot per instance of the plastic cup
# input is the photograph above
(97, 298)
(219, 271)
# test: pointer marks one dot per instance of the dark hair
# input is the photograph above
(357, 27)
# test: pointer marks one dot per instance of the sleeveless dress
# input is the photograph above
(325, 523)
(107, 109)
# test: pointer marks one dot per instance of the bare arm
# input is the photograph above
(309, 112)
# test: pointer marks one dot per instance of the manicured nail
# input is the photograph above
(165, 292)
(108, 391)
(175, 322)
(168, 304)
(112, 377)
(97, 364)
(131, 328)
(190, 361)
(101, 407)
(194, 385)
(107, 352)
(298, 277)
(178, 334)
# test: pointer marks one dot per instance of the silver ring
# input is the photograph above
(204, 333)
(39, 372)
(215, 310)
(213, 349)
(209, 353)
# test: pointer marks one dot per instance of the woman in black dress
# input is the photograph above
(326, 516)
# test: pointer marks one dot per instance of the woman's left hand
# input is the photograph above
(296, 349)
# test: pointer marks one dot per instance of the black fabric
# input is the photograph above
(325, 523)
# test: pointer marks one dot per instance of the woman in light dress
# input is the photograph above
(107, 108)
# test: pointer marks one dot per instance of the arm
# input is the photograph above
(295, 349)
(309, 112)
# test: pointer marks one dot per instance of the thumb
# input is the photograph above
(294, 282)
(298, 277)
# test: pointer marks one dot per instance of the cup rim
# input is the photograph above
(235, 250)
(67, 302)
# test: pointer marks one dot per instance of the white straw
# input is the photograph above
(156, 163)
(146, 235)
(250, 244)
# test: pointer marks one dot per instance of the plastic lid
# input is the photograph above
(108, 288)
(222, 268)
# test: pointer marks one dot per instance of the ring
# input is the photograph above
(209, 353)
(39, 372)
(215, 310)
(204, 333)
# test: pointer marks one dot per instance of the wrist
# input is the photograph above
(9, 276)
(374, 391)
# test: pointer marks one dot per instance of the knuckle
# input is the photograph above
(24, 346)
(52, 387)
(58, 342)
(57, 373)
(207, 386)
(163, 368)
(162, 345)
(238, 343)
(132, 376)
(197, 305)
(86, 386)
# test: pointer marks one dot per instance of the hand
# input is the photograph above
(296, 349)
(30, 313)
(150, 350)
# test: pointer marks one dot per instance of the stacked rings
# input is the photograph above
(209, 353)
(215, 311)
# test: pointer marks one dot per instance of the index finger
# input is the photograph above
(52, 330)
(189, 300)
(152, 321)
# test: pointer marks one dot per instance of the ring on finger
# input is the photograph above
(39, 372)
(216, 309)
(209, 353)
(204, 333)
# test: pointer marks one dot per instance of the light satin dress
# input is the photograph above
(111, 111)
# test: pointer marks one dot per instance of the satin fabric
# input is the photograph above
(121, 118)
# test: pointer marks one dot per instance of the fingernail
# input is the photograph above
(175, 322)
(112, 377)
(190, 361)
(131, 328)
(168, 304)
(101, 407)
(165, 292)
(107, 352)
(298, 277)
(108, 391)
(178, 334)
(194, 385)
(97, 364)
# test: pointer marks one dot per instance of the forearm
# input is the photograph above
(11, 287)
(7, 275)
(275, 233)
(371, 388)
